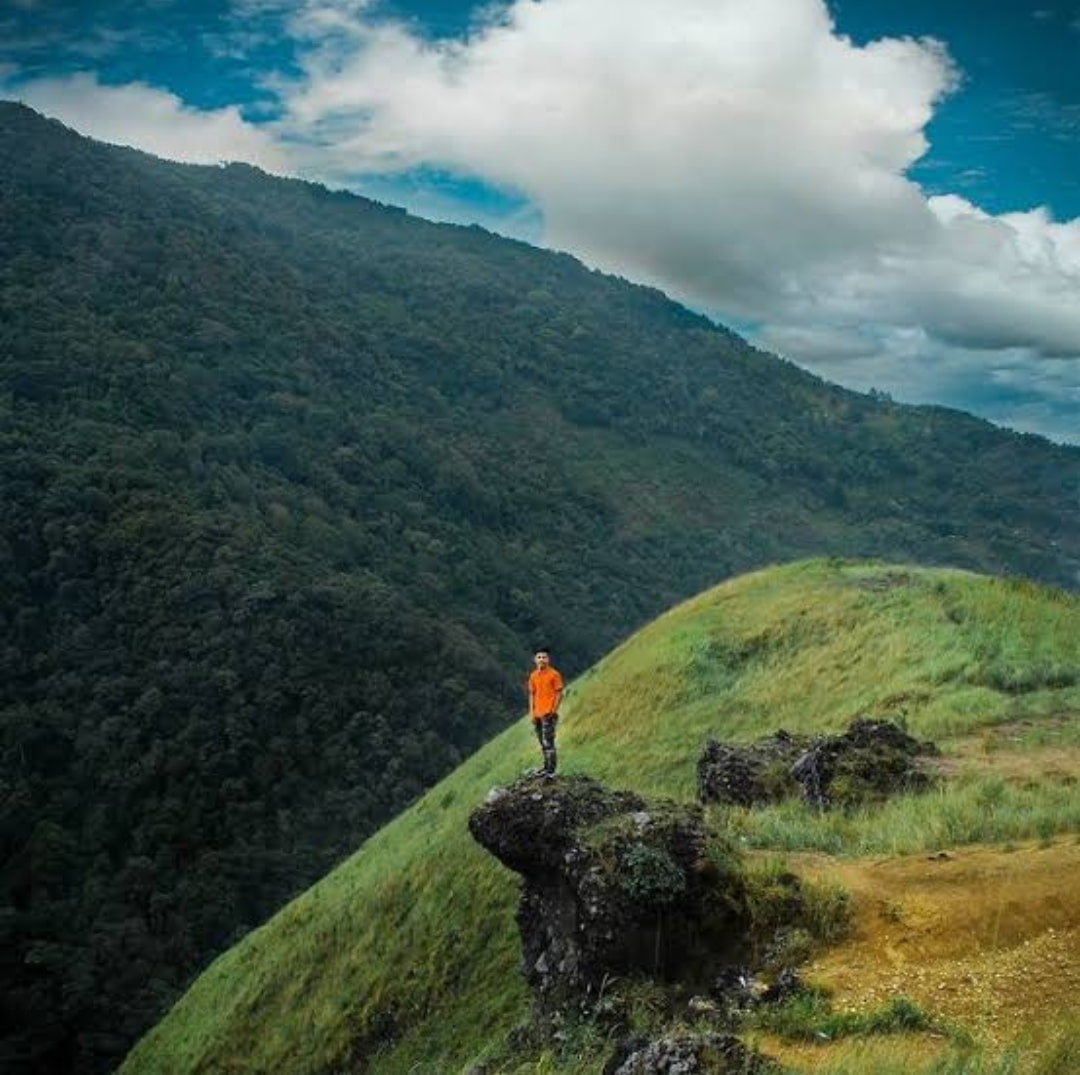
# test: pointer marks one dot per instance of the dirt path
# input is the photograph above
(985, 938)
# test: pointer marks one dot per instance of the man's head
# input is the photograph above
(542, 658)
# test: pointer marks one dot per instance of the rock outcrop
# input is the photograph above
(872, 760)
(611, 885)
(616, 889)
(750, 774)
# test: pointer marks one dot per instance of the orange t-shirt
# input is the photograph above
(544, 687)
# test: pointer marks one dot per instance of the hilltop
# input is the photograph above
(293, 482)
(405, 957)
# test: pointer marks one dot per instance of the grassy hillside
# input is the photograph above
(405, 957)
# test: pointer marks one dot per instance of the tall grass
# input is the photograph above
(974, 809)
(811, 1017)
(407, 954)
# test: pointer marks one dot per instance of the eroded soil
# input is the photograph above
(985, 938)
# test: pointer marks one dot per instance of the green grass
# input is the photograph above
(893, 1055)
(974, 808)
(811, 1017)
(407, 953)
(1063, 1056)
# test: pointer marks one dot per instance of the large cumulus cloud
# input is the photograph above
(723, 147)
(742, 154)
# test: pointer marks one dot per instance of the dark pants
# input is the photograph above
(545, 733)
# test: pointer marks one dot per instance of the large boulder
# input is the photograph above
(750, 774)
(611, 885)
(870, 761)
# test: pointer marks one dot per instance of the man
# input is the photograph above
(545, 693)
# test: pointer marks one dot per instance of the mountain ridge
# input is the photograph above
(292, 483)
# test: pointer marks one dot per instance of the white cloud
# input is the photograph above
(152, 119)
(718, 148)
(1014, 387)
(742, 154)
(831, 345)
(970, 279)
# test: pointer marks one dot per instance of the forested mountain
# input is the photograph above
(290, 484)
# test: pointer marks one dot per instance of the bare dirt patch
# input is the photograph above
(986, 939)
(1018, 751)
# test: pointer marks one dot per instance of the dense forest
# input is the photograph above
(290, 484)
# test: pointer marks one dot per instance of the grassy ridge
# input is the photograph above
(407, 952)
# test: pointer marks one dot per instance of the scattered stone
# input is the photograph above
(616, 890)
(531, 827)
(785, 986)
(685, 1053)
(870, 761)
(736, 991)
(702, 1007)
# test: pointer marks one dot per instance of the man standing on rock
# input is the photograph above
(545, 693)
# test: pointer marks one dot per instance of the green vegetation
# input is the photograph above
(797, 916)
(975, 807)
(864, 1054)
(292, 482)
(1063, 1056)
(407, 953)
(893, 1056)
(812, 1017)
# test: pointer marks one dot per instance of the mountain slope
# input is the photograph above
(291, 484)
(404, 958)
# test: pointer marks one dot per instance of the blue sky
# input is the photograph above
(885, 192)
